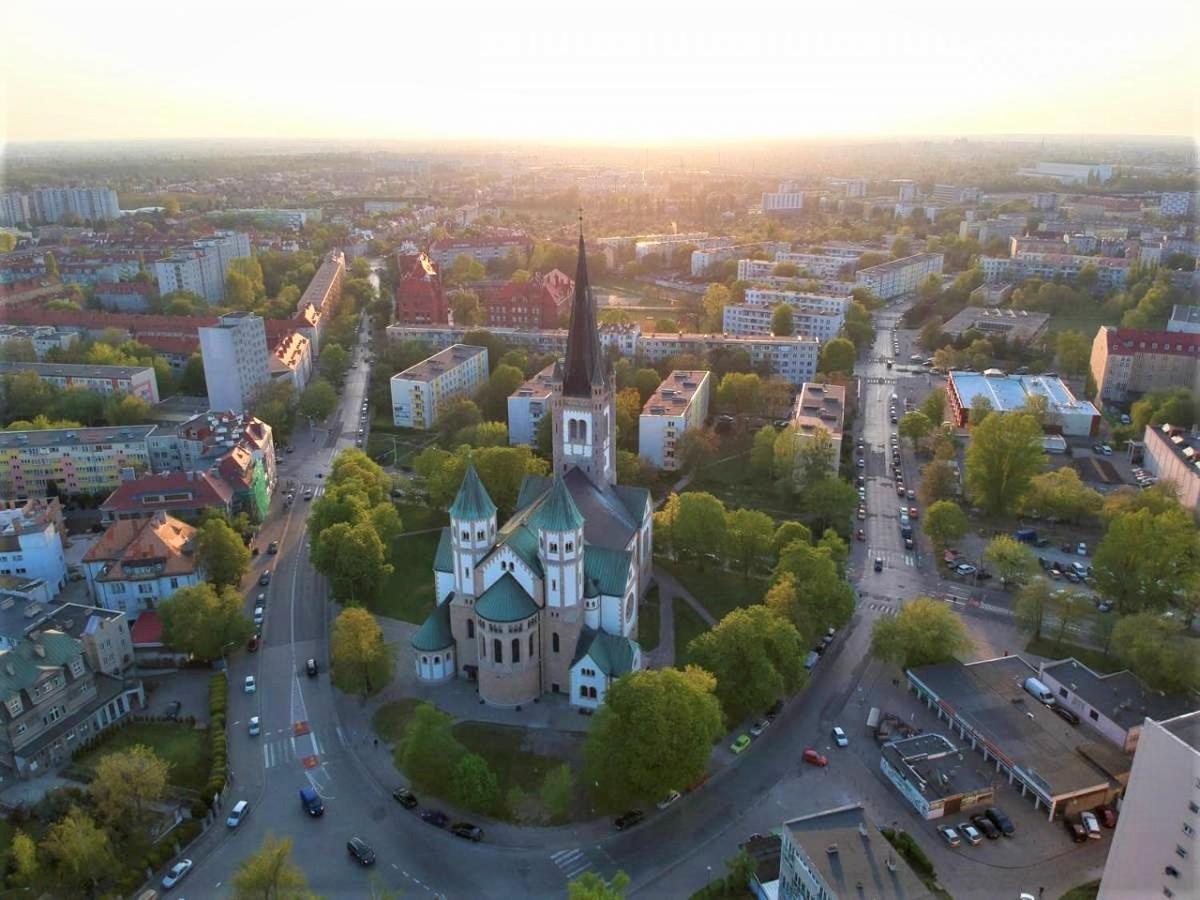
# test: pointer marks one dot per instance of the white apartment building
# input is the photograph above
(43, 337)
(31, 542)
(821, 265)
(140, 381)
(899, 276)
(1110, 272)
(52, 204)
(1173, 203)
(14, 208)
(751, 319)
(526, 406)
(1069, 173)
(666, 245)
(226, 246)
(782, 203)
(193, 271)
(678, 405)
(420, 392)
(703, 259)
(236, 360)
(821, 407)
(772, 297)
(1154, 847)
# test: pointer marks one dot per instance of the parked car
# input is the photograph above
(173, 709)
(970, 834)
(627, 820)
(761, 725)
(949, 835)
(252, 644)
(1091, 823)
(405, 797)
(1065, 714)
(1107, 816)
(249, 685)
(860, 535)
(435, 817)
(984, 824)
(913, 513)
(862, 512)
(812, 757)
(238, 813)
(175, 875)
(878, 564)
(1075, 829)
(259, 615)
(265, 578)
(1001, 821)
(273, 548)
(467, 831)
(310, 668)
(965, 569)
(668, 800)
(740, 743)
(360, 850)
(839, 737)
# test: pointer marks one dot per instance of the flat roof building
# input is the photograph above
(420, 392)
(1173, 455)
(1128, 362)
(526, 406)
(1010, 324)
(820, 407)
(678, 405)
(75, 460)
(1011, 393)
(140, 381)
(899, 276)
(236, 360)
(1185, 319)
(934, 776)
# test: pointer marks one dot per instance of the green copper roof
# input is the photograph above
(472, 501)
(558, 511)
(524, 543)
(612, 654)
(27, 666)
(505, 601)
(435, 633)
(608, 568)
(443, 560)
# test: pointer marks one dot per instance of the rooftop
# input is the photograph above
(53, 437)
(539, 387)
(1184, 444)
(133, 548)
(894, 264)
(934, 766)
(1121, 696)
(318, 289)
(1127, 341)
(1185, 314)
(169, 491)
(67, 370)
(441, 362)
(820, 406)
(1008, 393)
(675, 394)
(1020, 322)
(1186, 728)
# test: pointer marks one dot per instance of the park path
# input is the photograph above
(668, 585)
(663, 656)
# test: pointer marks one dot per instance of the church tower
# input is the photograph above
(472, 530)
(584, 414)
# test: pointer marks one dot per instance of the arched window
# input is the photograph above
(583, 431)
(482, 647)
(531, 646)
(470, 628)
(516, 650)
(497, 651)
(554, 642)
(466, 535)
(479, 534)
(572, 426)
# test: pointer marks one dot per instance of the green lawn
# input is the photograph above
(1082, 892)
(391, 719)
(408, 592)
(408, 442)
(719, 591)
(1092, 658)
(688, 625)
(649, 608)
(418, 518)
(184, 748)
(1087, 319)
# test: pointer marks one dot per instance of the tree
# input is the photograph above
(713, 304)
(945, 523)
(981, 408)
(1004, 454)
(23, 860)
(493, 397)
(275, 405)
(334, 363)
(558, 791)
(934, 405)
(318, 400)
(782, 322)
(838, 357)
(1145, 560)
(762, 453)
(592, 886)
(653, 734)
(915, 426)
(924, 632)
(204, 620)
(839, 550)
(632, 469)
(385, 520)
(820, 598)
(51, 265)
(126, 784)
(740, 392)
(360, 661)
(787, 533)
(239, 292)
(1158, 651)
(221, 553)
(354, 560)
(699, 527)
(473, 784)
(1069, 606)
(628, 410)
(428, 751)
(457, 415)
(697, 448)
(7, 242)
(756, 656)
(938, 482)
(1061, 494)
(1013, 561)
(749, 533)
(270, 873)
(1158, 498)
(18, 349)
(646, 381)
(1073, 351)
(79, 850)
(1034, 602)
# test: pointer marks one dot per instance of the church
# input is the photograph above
(547, 602)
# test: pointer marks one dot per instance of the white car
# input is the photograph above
(759, 727)
(250, 685)
(949, 835)
(259, 615)
(965, 569)
(839, 737)
(671, 798)
(255, 728)
(1091, 823)
(971, 833)
(176, 874)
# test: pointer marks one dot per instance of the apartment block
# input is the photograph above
(325, 289)
(703, 260)
(32, 544)
(782, 203)
(54, 204)
(44, 338)
(420, 392)
(1177, 204)
(1173, 454)
(750, 319)
(1069, 173)
(821, 265)
(1127, 362)
(192, 271)
(236, 360)
(1110, 272)
(820, 407)
(140, 381)
(14, 209)
(770, 298)
(678, 405)
(74, 461)
(526, 406)
(138, 563)
(483, 250)
(420, 297)
(899, 276)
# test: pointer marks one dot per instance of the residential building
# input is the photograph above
(984, 230)
(547, 602)
(703, 260)
(192, 271)
(1173, 456)
(991, 294)
(420, 297)
(1127, 362)
(665, 245)
(1184, 319)
(679, 405)
(140, 381)
(899, 276)
(856, 187)
(236, 360)
(14, 209)
(1070, 173)
(202, 440)
(325, 290)
(783, 203)
(822, 265)
(292, 359)
(1154, 847)
(820, 408)
(929, 211)
(70, 460)
(289, 218)
(745, 319)
(953, 194)
(186, 495)
(225, 247)
(137, 563)
(1010, 324)
(1110, 273)
(930, 773)
(1010, 393)
(54, 204)
(540, 302)
(44, 338)
(126, 296)
(1177, 204)
(907, 190)
(839, 854)
(103, 634)
(526, 406)
(762, 272)
(420, 392)
(32, 544)
(483, 249)
(54, 703)
(818, 304)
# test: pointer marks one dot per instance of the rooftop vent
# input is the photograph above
(39, 651)
(832, 849)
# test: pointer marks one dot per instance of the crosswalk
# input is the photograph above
(893, 557)
(884, 609)
(295, 749)
(572, 863)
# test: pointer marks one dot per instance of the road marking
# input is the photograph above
(311, 762)
(301, 728)
(342, 736)
(571, 863)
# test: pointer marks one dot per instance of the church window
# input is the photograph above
(424, 660)
(583, 431)
(516, 650)
(497, 650)
(553, 584)
(554, 642)
(482, 647)
(466, 535)
(554, 546)
(629, 608)
(470, 628)
(466, 571)
(479, 534)
(531, 646)
(583, 690)
(570, 545)
(572, 430)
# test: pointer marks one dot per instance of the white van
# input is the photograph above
(237, 813)
(1039, 690)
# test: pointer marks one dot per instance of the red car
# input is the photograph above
(1107, 816)
(913, 513)
(812, 757)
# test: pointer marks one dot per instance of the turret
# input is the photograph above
(559, 527)
(472, 530)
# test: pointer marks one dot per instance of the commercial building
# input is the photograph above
(899, 276)
(1173, 455)
(236, 360)
(934, 776)
(137, 563)
(140, 381)
(526, 406)
(820, 408)
(420, 392)
(182, 494)
(32, 542)
(1177, 204)
(678, 405)
(419, 295)
(1053, 762)
(72, 460)
(1010, 324)
(1011, 393)
(1069, 173)
(1110, 273)
(55, 204)
(1154, 847)
(1184, 320)
(1127, 362)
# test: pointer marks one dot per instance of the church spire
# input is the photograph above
(584, 367)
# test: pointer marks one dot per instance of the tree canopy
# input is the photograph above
(1004, 455)
(925, 631)
(360, 662)
(221, 553)
(205, 620)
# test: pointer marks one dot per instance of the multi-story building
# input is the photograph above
(125, 296)
(678, 405)
(420, 297)
(526, 406)
(226, 246)
(137, 563)
(44, 338)
(288, 218)
(820, 408)
(907, 190)
(899, 276)
(1012, 393)
(53, 204)
(703, 260)
(325, 290)
(540, 302)
(205, 440)
(236, 360)
(185, 494)
(102, 634)
(1173, 455)
(1004, 226)
(140, 381)
(292, 359)
(953, 194)
(665, 245)
(770, 298)
(483, 250)
(1153, 849)
(762, 272)
(14, 209)
(1184, 319)
(821, 265)
(1110, 272)
(1070, 173)
(1011, 324)
(192, 271)
(31, 541)
(1177, 204)
(783, 203)
(420, 392)
(71, 460)
(750, 319)
(1127, 362)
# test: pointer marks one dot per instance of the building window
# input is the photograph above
(466, 535)
(1194, 808)
(470, 628)
(497, 651)
(1181, 852)
(531, 645)
(1093, 715)
(516, 650)
(569, 546)
(1189, 830)
(553, 547)
(479, 535)
(554, 647)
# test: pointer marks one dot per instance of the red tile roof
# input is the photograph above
(148, 629)
(1128, 341)
(206, 490)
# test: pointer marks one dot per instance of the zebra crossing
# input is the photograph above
(572, 863)
(884, 609)
(294, 749)
(893, 557)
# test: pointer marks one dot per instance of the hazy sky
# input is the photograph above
(597, 71)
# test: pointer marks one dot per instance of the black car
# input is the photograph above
(405, 797)
(173, 709)
(628, 820)
(467, 831)
(1075, 829)
(1065, 714)
(435, 817)
(310, 667)
(359, 850)
(265, 578)
(984, 824)
(1001, 821)
(774, 711)
(273, 548)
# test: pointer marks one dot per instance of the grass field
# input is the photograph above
(688, 625)
(1087, 319)
(408, 593)
(184, 748)
(717, 590)
(649, 609)
(391, 719)
(1087, 891)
